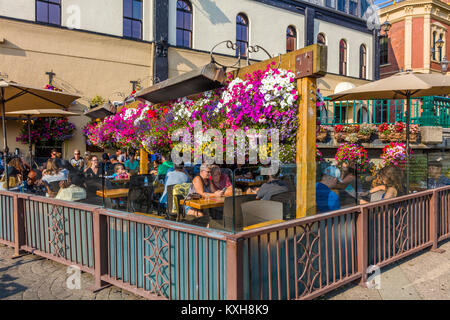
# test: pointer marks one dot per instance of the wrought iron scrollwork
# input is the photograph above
(230, 45)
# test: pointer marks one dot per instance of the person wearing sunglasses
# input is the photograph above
(77, 161)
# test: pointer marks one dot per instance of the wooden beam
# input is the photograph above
(306, 148)
(143, 161)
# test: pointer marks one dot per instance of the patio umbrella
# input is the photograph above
(403, 85)
(16, 97)
(40, 113)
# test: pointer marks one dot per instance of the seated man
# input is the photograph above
(326, 199)
(174, 177)
(71, 191)
(272, 187)
(220, 181)
(435, 177)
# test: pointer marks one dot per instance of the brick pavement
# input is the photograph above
(34, 278)
(422, 276)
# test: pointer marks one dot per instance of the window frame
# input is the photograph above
(48, 2)
(247, 25)
(293, 38)
(384, 50)
(343, 57)
(133, 19)
(191, 13)
(363, 61)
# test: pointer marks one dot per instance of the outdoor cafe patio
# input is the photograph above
(240, 247)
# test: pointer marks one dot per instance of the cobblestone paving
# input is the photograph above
(422, 276)
(34, 278)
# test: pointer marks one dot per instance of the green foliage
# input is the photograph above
(97, 101)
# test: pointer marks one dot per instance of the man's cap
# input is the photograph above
(334, 172)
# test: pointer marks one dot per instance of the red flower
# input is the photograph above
(338, 128)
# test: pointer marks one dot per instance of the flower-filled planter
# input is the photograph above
(322, 133)
(353, 155)
(397, 132)
(394, 154)
(365, 132)
(346, 133)
(47, 129)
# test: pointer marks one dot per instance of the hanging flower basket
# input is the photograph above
(353, 155)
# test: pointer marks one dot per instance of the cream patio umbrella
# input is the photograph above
(40, 113)
(17, 97)
(403, 85)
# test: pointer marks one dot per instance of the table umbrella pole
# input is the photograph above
(30, 147)
(408, 119)
(4, 138)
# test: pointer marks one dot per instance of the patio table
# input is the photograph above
(203, 204)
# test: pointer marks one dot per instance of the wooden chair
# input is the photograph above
(261, 212)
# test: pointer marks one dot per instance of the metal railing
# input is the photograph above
(429, 111)
(161, 259)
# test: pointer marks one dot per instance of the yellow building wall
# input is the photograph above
(86, 64)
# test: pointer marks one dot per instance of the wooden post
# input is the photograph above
(19, 225)
(143, 161)
(306, 148)
(234, 269)
(100, 250)
(434, 222)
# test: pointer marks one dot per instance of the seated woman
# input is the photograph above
(132, 165)
(13, 178)
(220, 181)
(391, 184)
(202, 186)
(71, 190)
(52, 175)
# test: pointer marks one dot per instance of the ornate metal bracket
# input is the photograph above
(230, 45)
(161, 48)
(255, 49)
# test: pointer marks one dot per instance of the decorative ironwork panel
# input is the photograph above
(401, 230)
(158, 259)
(308, 243)
(56, 241)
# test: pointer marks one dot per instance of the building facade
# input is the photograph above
(99, 47)
(412, 41)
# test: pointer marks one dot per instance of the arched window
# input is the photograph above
(434, 45)
(132, 19)
(343, 57)
(321, 39)
(48, 11)
(184, 24)
(291, 39)
(362, 62)
(440, 49)
(242, 34)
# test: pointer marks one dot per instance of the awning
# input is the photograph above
(207, 78)
(101, 112)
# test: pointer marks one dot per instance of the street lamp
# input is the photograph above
(386, 26)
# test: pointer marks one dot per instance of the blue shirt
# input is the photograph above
(442, 181)
(326, 199)
(132, 166)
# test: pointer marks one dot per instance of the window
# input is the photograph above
(321, 39)
(383, 50)
(48, 11)
(434, 45)
(241, 34)
(343, 57)
(184, 24)
(291, 39)
(330, 3)
(440, 49)
(353, 7)
(341, 5)
(132, 19)
(362, 62)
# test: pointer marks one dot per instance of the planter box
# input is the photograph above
(432, 135)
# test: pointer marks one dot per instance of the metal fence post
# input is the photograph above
(100, 249)
(19, 225)
(434, 221)
(234, 269)
(362, 244)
